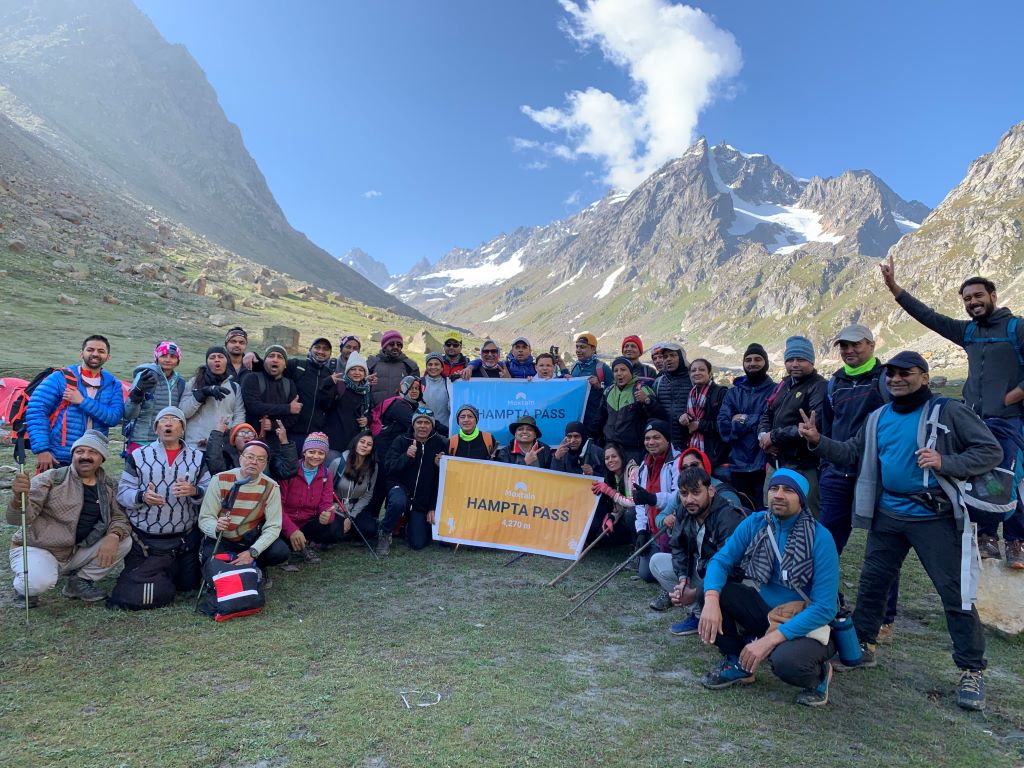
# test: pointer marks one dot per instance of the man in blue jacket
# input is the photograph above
(793, 560)
(589, 367)
(58, 413)
(742, 407)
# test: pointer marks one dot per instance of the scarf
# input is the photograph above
(860, 369)
(314, 362)
(695, 404)
(756, 378)
(797, 560)
(360, 389)
(211, 379)
(913, 401)
(652, 484)
(470, 437)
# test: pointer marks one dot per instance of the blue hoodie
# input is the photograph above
(745, 454)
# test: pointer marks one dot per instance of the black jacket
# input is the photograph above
(625, 426)
(721, 521)
(848, 401)
(419, 476)
(782, 416)
(573, 461)
(220, 456)
(316, 391)
(264, 396)
(340, 423)
(715, 447)
(390, 373)
(506, 455)
(672, 390)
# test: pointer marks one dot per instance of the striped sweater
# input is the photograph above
(149, 464)
(248, 513)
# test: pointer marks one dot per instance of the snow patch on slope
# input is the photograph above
(609, 283)
(487, 273)
(571, 280)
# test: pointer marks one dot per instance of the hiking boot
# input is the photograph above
(817, 696)
(18, 601)
(885, 633)
(867, 659)
(971, 694)
(988, 546)
(309, 556)
(687, 626)
(728, 673)
(78, 588)
(1015, 555)
(662, 602)
(384, 543)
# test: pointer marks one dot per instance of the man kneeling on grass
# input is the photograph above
(793, 560)
(250, 528)
(707, 520)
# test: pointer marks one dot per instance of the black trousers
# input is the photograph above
(417, 529)
(316, 531)
(184, 547)
(744, 612)
(275, 554)
(750, 485)
(937, 544)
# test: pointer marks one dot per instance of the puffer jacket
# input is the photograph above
(203, 416)
(849, 400)
(390, 373)
(168, 391)
(624, 417)
(993, 367)
(418, 476)
(782, 416)
(53, 507)
(302, 501)
(316, 393)
(745, 454)
(99, 413)
(673, 390)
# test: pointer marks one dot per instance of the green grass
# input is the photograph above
(316, 680)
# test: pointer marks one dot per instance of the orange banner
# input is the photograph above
(507, 506)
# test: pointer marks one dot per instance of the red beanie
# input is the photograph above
(700, 455)
(635, 340)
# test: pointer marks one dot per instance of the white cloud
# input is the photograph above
(678, 60)
(573, 199)
(371, 193)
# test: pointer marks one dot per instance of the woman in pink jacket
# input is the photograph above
(307, 502)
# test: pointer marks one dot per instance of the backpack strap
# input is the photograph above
(1010, 337)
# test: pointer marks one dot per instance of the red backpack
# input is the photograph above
(19, 403)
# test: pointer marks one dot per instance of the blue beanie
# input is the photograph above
(799, 346)
(793, 480)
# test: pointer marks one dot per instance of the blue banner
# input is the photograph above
(502, 401)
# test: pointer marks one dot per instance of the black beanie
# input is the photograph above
(757, 377)
(757, 349)
(216, 349)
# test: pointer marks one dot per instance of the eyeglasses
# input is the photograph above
(255, 458)
(901, 373)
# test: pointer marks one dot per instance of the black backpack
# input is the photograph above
(231, 590)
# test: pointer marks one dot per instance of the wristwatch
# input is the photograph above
(254, 553)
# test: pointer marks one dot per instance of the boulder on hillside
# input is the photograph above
(226, 300)
(265, 272)
(68, 214)
(164, 231)
(17, 246)
(279, 287)
(423, 342)
(264, 288)
(63, 298)
(150, 247)
(244, 274)
(285, 336)
(146, 269)
(198, 286)
(216, 264)
(218, 320)
(375, 335)
(1001, 598)
(109, 299)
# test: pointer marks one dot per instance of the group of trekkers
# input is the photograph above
(743, 498)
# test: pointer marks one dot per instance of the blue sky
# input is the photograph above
(399, 126)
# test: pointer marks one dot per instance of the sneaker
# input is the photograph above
(78, 588)
(988, 546)
(18, 601)
(728, 673)
(817, 696)
(309, 556)
(885, 633)
(662, 602)
(867, 659)
(384, 543)
(687, 626)
(1015, 555)
(971, 694)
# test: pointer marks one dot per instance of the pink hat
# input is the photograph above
(390, 336)
(166, 348)
(316, 441)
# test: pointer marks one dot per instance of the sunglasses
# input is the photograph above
(901, 373)
(423, 410)
(490, 352)
(453, 343)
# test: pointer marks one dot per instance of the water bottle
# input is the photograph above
(846, 639)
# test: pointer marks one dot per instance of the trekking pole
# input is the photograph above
(358, 529)
(594, 589)
(583, 554)
(226, 507)
(19, 459)
(515, 559)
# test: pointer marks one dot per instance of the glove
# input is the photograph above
(137, 395)
(608, 524)
(598, 487)
(641, 496)
(641, 538)
(216, 392)
(147, 381)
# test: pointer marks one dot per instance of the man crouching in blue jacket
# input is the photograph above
(793, 561)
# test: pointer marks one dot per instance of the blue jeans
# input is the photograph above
(835, 499)
(1008, 433)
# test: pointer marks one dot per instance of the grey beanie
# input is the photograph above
(170, 410)
(92, 439)
(799, 346)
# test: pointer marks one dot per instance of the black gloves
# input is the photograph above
(641, 496)
(147, 381)
(213, 390)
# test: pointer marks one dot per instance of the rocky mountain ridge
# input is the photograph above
(95, 83)
(367, 266)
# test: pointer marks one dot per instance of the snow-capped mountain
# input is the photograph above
(367, 266)
(708, 247)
